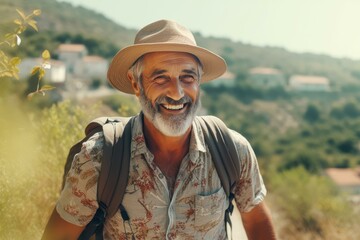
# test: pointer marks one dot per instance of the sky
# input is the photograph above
(330, 27)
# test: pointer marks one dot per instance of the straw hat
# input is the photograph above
(161, 36)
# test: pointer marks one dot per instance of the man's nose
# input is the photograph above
(175, 90)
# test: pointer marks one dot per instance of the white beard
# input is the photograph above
(173, 125)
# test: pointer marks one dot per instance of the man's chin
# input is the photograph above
(173, 126)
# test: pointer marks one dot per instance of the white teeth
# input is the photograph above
(174, 107)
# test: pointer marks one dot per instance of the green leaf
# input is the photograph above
(35, 70)
(18, 21)
(6, 74)
(41, 73)
(15, 61)
(37, 12)
(32, 23)
(30, 95)
(45, 54)
(46, 88)
(21, 14)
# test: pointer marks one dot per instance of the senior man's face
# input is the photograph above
(169, 92)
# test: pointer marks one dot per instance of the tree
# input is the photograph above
(312, 113)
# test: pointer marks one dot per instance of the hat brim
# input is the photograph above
(213, 65)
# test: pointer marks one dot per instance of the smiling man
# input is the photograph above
(174, 190)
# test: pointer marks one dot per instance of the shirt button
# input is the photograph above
(161, 175)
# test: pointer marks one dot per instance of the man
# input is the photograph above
(173, 191)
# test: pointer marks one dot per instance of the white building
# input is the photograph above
(94, 67)
(80, 65)
(309, 83)
(71, 54)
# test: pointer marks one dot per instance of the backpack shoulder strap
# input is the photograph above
(114, 170)
(115, 164)
(225, 158)
(222, 149)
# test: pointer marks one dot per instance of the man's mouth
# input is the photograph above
(173, 107)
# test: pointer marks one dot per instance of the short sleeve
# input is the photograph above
(77, 203)
(249, 190)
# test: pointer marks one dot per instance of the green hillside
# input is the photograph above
(59, 18)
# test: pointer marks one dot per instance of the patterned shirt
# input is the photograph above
(195, 209)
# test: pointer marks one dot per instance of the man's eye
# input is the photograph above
(188, 78)
(160, 79)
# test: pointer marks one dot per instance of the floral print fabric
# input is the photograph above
(194, 210)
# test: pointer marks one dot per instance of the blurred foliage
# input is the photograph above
(33, 150)
(124, 105)
(313, 206)
(9, 65)
(12, 39)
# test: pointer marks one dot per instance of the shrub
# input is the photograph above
(312, 206)
(312, 113)
(124, 105)
(33, 148)
(311, 161)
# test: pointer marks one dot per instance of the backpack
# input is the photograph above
(114, 173)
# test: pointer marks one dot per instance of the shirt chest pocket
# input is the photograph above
(210, 210)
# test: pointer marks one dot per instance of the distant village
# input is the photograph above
(75, 69)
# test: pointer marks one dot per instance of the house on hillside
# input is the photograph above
(71, 55)
(226, 80)
(309, 83)
(55, 75)
(347, 179)
(94, 67)
(81, 68)
(266, 77)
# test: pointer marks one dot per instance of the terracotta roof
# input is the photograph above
(344, 176)
(71, 48)
(264, 70)
(302, 79)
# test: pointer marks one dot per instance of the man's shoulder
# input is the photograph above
(93, 147)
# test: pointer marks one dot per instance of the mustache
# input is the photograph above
(168, 100)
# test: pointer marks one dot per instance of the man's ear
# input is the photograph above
(134, 83)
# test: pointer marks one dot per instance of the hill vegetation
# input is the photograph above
(295, 135)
